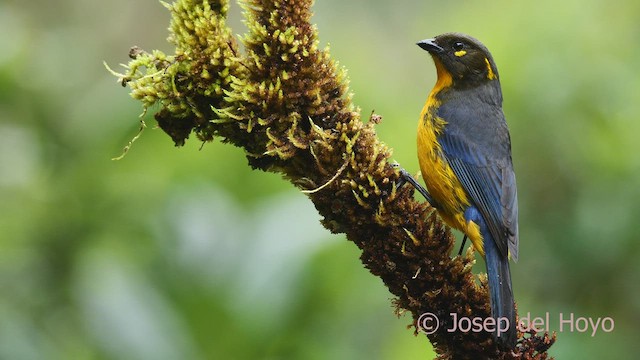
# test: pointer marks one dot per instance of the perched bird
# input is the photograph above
(464, 151)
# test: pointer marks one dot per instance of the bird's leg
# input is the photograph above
(464, 241)
(405, 177)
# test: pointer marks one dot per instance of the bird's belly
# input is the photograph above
(438, 176)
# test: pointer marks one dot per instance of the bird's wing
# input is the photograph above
(480, 156)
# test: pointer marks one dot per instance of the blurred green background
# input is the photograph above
(182, 253)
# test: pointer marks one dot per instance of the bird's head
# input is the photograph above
(462, 58)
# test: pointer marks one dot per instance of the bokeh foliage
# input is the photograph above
(141, 258)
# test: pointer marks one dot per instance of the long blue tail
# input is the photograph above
(500, 291)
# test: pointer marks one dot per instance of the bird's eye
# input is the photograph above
(457, 46)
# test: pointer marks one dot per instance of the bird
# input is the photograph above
(464, 153)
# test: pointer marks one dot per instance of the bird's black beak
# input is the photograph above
(430, 46)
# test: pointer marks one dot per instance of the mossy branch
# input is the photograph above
(286, 103)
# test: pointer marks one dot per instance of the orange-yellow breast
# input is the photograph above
(441, 181)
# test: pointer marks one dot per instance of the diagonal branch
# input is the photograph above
(286, 103)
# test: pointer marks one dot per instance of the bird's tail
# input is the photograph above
(500, 293)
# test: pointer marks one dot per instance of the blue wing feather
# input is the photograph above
(478, 149)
